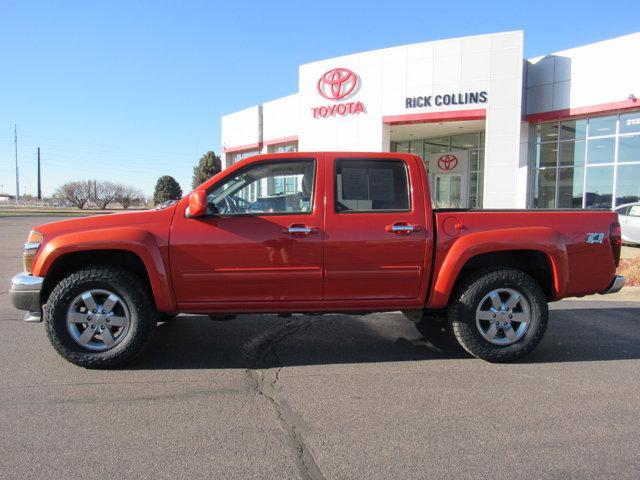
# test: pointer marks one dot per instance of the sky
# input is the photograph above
(128, 91)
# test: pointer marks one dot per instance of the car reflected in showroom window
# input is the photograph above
(629, 217)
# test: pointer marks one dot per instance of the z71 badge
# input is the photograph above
(595, 237)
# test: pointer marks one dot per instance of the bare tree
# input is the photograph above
(77, 193)
(104, 193)
(128, 196)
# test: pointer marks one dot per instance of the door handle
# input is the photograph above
(300, 230)
(402, 228)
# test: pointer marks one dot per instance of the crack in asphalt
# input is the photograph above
(266, 378)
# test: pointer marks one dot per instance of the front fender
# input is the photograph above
(541, 239)
(131, 239)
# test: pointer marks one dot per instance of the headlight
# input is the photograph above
(30, 248)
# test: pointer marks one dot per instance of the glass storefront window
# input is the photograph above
(570, 187)
(629, 149)
(237, 156)
(402, 147)
(473, 185)
(282, 185)
(473, 160)
(599, 126)
(455, 194)
(627, 184)
(283, 147)
(476, 177)
(546, 154)
(476, 189)
(472, 142)
(290, 184)
(573, 129)
(584, 175)
(599, 187)
(630, 122)
(546, 188)
(466, 141)
(571, 153)
(601, 150)
(278, 186)
(436, 145)
(476, 160)
(414, 146)
(448, 191)
(417, 148)
(547, 132)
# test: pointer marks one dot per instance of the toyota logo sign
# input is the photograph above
(337, 83)
(447, 162)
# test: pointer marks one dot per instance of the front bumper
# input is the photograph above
(616, 285)
(25, 295)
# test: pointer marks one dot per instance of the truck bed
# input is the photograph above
(563, 235)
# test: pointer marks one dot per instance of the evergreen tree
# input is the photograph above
(166, 189)
(207, 167)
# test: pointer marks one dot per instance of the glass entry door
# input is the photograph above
(448, 191)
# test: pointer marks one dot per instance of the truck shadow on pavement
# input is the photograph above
(264, 341)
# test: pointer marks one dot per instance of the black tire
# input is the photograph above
(129, 287)
(469, 294)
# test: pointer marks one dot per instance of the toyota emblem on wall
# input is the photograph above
(337, 83)
(447, 162)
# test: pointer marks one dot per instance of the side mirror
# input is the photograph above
(197, 204)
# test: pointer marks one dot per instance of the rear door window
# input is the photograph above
(364, 185)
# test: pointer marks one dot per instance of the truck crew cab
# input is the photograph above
(312, 232)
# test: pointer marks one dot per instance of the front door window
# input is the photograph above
(264, 188)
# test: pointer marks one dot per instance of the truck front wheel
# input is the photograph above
(499, 315)
(99, 317)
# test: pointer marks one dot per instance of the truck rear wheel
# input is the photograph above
(499, 315)
(100, 317)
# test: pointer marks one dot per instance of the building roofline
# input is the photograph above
(411, 44)
(573, 49)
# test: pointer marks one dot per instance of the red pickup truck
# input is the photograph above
(312, 232)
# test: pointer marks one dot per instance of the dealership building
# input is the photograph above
(495, 130)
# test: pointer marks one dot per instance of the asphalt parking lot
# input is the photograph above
(321, 397)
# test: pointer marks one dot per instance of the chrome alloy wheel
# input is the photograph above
(503, 316)
(98, 319)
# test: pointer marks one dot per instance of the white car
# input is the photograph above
(629, 215)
